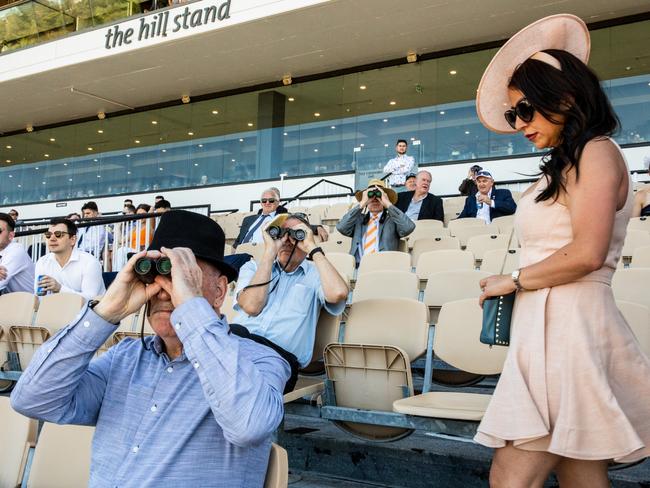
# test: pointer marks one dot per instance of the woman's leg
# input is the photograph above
(517, 468)
(575, 473)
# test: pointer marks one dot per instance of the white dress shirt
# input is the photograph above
(400, 167)
(82, 274)
(20, 269)
(258, 237)
(483, 211)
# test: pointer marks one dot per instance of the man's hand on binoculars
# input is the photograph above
(385, 201)
(186, 278)
(127, 293)
(271, 246)
(308, 243)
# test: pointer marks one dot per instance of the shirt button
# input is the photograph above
(86, 324)
(170, 369)
(177, 325)
(196, 365)
(49, 350)
(154, 408)
(135, 449)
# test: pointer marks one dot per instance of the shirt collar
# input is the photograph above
(304, 265)
(158, 347)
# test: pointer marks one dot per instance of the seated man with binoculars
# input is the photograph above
(381, 227)
(194, 405)
(281, 296)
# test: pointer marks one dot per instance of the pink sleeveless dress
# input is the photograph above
(575, 382)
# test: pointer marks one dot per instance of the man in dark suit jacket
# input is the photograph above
(488, 203)
(420, 204)
(252, 226)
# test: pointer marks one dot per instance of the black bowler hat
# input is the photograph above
(201, 234)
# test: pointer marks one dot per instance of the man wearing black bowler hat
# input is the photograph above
(194, 405)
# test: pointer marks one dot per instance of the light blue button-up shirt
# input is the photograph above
(290, 315)
(203, 419)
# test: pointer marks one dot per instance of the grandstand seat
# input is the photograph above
(493, 261)
(516, 195)
(635, 238)
(638, 318)
(456, 342)
(464, 234)
(227, 250)
(334, 213)
(316, 213)
(631, 285)
(423, 245)
(426, 233)
(456, 224)
(337, 243)
(443, 260)
(17, 310)
(639, 223)
(277, 473)
(16, 432)
(62, 457)
(641, 257)
(127, 324)
(481, 243)
(227, 308)
(343, 263)
(385, 261)
(54, 312)
(386, 284)
(253, 248)
(504, 223)
(428, 225)
(371, 368)
(449, 286)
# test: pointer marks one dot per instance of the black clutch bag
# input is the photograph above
(497, 314)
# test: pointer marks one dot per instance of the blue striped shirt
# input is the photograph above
(204, 419)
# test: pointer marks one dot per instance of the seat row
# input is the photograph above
(61, 454)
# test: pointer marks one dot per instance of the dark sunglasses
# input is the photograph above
(57, 233)
(267, 200)
(524, 110)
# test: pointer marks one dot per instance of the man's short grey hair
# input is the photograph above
(422, 171)
(273, 190)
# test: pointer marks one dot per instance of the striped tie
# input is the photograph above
(371, 235)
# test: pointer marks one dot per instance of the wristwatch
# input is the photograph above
(515, 277)
(310, 256)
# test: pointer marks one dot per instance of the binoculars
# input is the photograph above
(146, 269)
(374, 194)
(277, 232)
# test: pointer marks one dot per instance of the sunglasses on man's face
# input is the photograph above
(524, 110)
(267, 200)
(57, 233)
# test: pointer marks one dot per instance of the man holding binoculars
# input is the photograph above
(281, 296)
(194, 405)
(381, 227)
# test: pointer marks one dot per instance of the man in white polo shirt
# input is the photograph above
(16, 268)
(66, 269)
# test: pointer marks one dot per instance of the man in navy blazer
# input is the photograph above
(420, 204)
(488, 203)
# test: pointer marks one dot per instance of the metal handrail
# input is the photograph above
(312, 197)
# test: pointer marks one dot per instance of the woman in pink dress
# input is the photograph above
(575, 388)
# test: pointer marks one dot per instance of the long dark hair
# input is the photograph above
(574, 93)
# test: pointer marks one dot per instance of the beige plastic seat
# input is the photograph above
(253, 248)
(457, 343)
(227, 308)
(16, 433)
(429, 225)
(54, 312)
(316, 213)
(478, 245)
(504, 223)
(443, 260)
(372, 366)
(641, 257)
(639, 223)
(17, 309)
(385, 261)
(638, 318)
(426, 233)
(631, 285)
(127, 324)
(493, 259)
(454, 225)
(343, 263)
(464, 234)
(337, 242)
(421, 246)
(336, 211)
(386, 284)
(449, 286)
(277, 472)
(635, 238)
(227, 250)
(62, 457)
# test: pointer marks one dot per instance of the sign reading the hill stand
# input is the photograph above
(162, 23)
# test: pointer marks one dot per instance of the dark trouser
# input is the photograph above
(241, 331)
